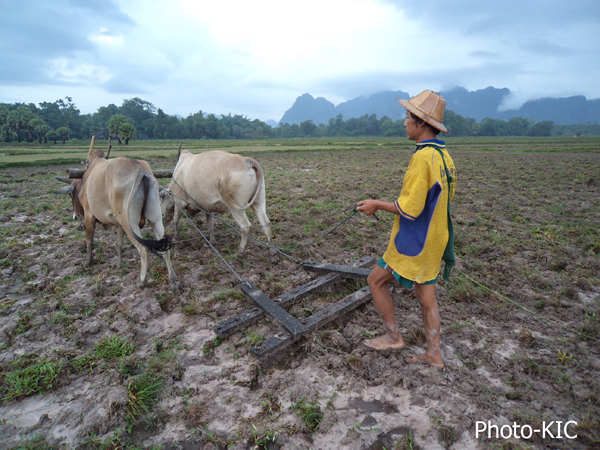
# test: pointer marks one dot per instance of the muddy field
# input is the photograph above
(89, 360)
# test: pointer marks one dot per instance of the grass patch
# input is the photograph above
(113, 347)
(143, 391)
(209, 346)
(27, 376)
(310, 412)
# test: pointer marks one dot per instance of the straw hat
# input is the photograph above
(429, 106)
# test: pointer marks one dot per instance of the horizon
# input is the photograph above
(278, 121)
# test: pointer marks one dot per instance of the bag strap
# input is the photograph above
(448, 256)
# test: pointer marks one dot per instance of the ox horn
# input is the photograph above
(179, 152)
(109, 146)
(91, 147)
(66, 190)
(64, 179)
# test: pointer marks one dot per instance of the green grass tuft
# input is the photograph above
(113, 347)
(310, 412)
(143, 390)
(27, 377)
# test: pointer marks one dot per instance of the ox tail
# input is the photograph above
(259, 179)
(153, 245)
(144, 180)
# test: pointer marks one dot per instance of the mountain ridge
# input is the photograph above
(479, 104)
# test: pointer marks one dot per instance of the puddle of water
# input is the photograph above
(375, 406)
(387, 440)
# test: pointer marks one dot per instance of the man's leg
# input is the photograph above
(431, 320)
(378, 282)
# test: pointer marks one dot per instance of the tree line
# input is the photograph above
(457, 125)
(140, 119)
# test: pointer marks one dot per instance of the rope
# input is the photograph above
(502, 297)
(211, 246)
(354, 212)
(279, 250)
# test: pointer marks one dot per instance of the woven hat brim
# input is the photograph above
(417, 112)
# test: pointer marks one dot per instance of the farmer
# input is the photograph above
(422, 234)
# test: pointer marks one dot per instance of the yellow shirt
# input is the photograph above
(420, 232)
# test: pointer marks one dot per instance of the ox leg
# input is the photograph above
(159, 232)
(143, 254)
(90, 228)
(211, 228)
(144, 265)
(120, 235)
(244, 224)
(265, 223)
(175, 284)
(176, 217)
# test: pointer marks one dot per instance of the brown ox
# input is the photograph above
(218, 182)
(122, 192)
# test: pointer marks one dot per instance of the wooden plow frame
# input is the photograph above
(295, 328)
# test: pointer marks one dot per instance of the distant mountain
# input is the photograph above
(476, 104)
(382, 104)
(271, 122)
(306, 107)
(320, 110)
(562, 111)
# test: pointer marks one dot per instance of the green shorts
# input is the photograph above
(403, 281)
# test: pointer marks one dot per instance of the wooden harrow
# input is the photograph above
(295, 328)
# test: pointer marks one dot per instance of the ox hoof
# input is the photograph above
(177, 288)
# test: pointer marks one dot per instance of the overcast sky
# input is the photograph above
(256, 57)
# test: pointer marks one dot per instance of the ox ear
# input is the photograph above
(66, 190)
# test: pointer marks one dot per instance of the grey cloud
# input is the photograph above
(543, 47)
(118, 85)
(136, 78)
(483, 54)
(534, 12)
(352, 86)
(36, 31)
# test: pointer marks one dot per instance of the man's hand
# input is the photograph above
(369, 207)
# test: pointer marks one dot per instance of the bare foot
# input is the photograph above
(434, 361)
(385, 342)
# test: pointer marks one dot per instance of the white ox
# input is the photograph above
(218, 182)
(122, 192)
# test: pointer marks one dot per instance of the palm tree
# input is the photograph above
(64, 131)
(38, 125)
(18, 120)
(52, 135)
(127, 132)
(114, 125)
